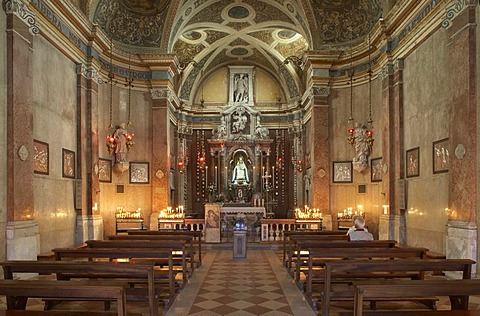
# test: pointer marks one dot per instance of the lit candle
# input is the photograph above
(216, 175)
(385, 209)
(273, 170)
(206, 176)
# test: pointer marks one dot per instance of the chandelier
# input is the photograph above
(359, 135)
(119, 140)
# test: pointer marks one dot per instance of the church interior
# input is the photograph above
(217, 116)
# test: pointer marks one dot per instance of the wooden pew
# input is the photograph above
(318, 258)
(189, 241)
(178, 246)
(294, 239)
(287, 234)
(137, 256)
(303, 246)
(18, 292)
(457, 290)
(354, 270)
(197, 235)
(67, 270)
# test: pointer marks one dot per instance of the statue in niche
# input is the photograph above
(220, 131)
(260, 131)
(240, 121)
(362, 151)
(240, 172)
(240, 93)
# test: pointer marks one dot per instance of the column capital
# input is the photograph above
(160, 93)
(89, 73)
(320, 91)
(21, 10)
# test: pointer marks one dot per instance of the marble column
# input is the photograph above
(392, 225)
(461, 233)
(160, 154)
(320, 181)
(88, 206)
(21, 230)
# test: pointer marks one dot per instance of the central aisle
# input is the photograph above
(258, 285)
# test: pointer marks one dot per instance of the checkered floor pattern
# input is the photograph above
(240, 287)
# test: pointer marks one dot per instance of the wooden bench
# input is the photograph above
(178, 246)
(302, 247)
(189, 240)
(137, 256)
(457, 290)
(288, 234)
(67, 270)
(349, 271)
(319, 257)
(197, 235)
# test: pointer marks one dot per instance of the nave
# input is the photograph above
(257, 285)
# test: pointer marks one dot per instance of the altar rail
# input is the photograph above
(189, 224)
(273, 229)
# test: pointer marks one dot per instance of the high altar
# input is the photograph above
(240, 148)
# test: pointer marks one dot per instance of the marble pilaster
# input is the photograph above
(320, 179)
(461, 242)
(160, 151)
(89, 227)
(20, 193)
(87, 148)
(392, 227)
(23, 240)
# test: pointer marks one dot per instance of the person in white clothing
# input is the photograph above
(360, 232)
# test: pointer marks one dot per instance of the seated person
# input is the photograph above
(359, 233)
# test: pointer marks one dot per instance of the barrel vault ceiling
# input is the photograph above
(215, 33)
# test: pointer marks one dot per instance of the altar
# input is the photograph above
(220, 220)
(247, 210)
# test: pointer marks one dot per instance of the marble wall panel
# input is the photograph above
(427, 91)
(346, 195)
(54, 110)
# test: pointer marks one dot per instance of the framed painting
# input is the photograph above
(40, 157)
(342, 172)
(441, 155)
(139, 172)
(376, 169)
(104, 170)
(412, 162)
(68, 163)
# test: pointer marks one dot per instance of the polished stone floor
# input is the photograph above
(257, 285)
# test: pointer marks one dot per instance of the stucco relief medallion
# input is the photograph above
(160, 174)
(23, 153)
(460, 151)
(322, 173)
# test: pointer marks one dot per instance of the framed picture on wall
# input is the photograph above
(40, 157)
(412, 162)
(139, 172)
(104, 170)
(68, 163)
(376, 169)
(342, 172)
(441, 155)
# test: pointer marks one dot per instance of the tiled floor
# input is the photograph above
(257, 285)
